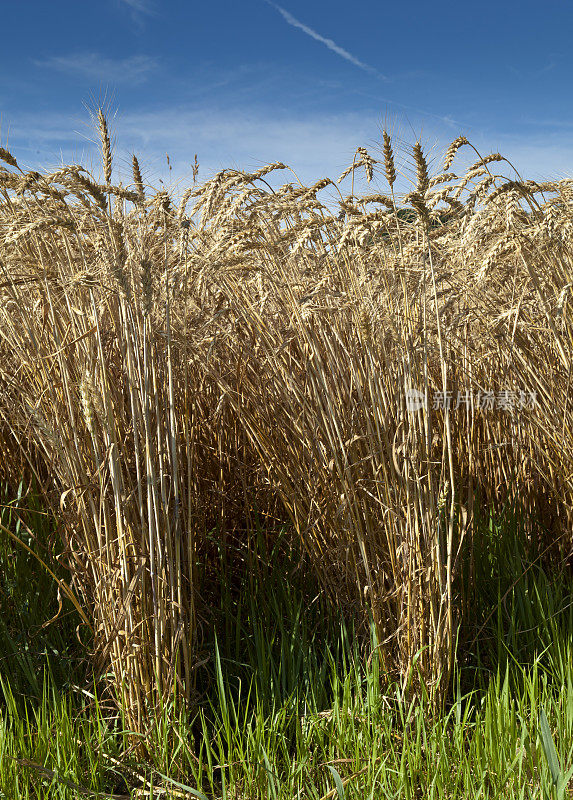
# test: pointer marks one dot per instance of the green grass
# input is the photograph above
(291, 703)
(31, 644)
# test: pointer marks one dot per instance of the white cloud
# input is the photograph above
(97, 67)
(542, 157)
(140, 6)
(288, 17)
(314, 145)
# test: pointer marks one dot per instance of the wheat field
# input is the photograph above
(178, 363)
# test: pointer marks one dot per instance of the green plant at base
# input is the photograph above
(559, 779)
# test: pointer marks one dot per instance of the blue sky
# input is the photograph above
(245, 83)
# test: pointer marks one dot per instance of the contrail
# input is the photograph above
(288, 17)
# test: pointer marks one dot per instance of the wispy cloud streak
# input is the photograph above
(140, 6)
(95, 66)
(340, 51)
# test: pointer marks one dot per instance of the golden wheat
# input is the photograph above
(166, 370)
